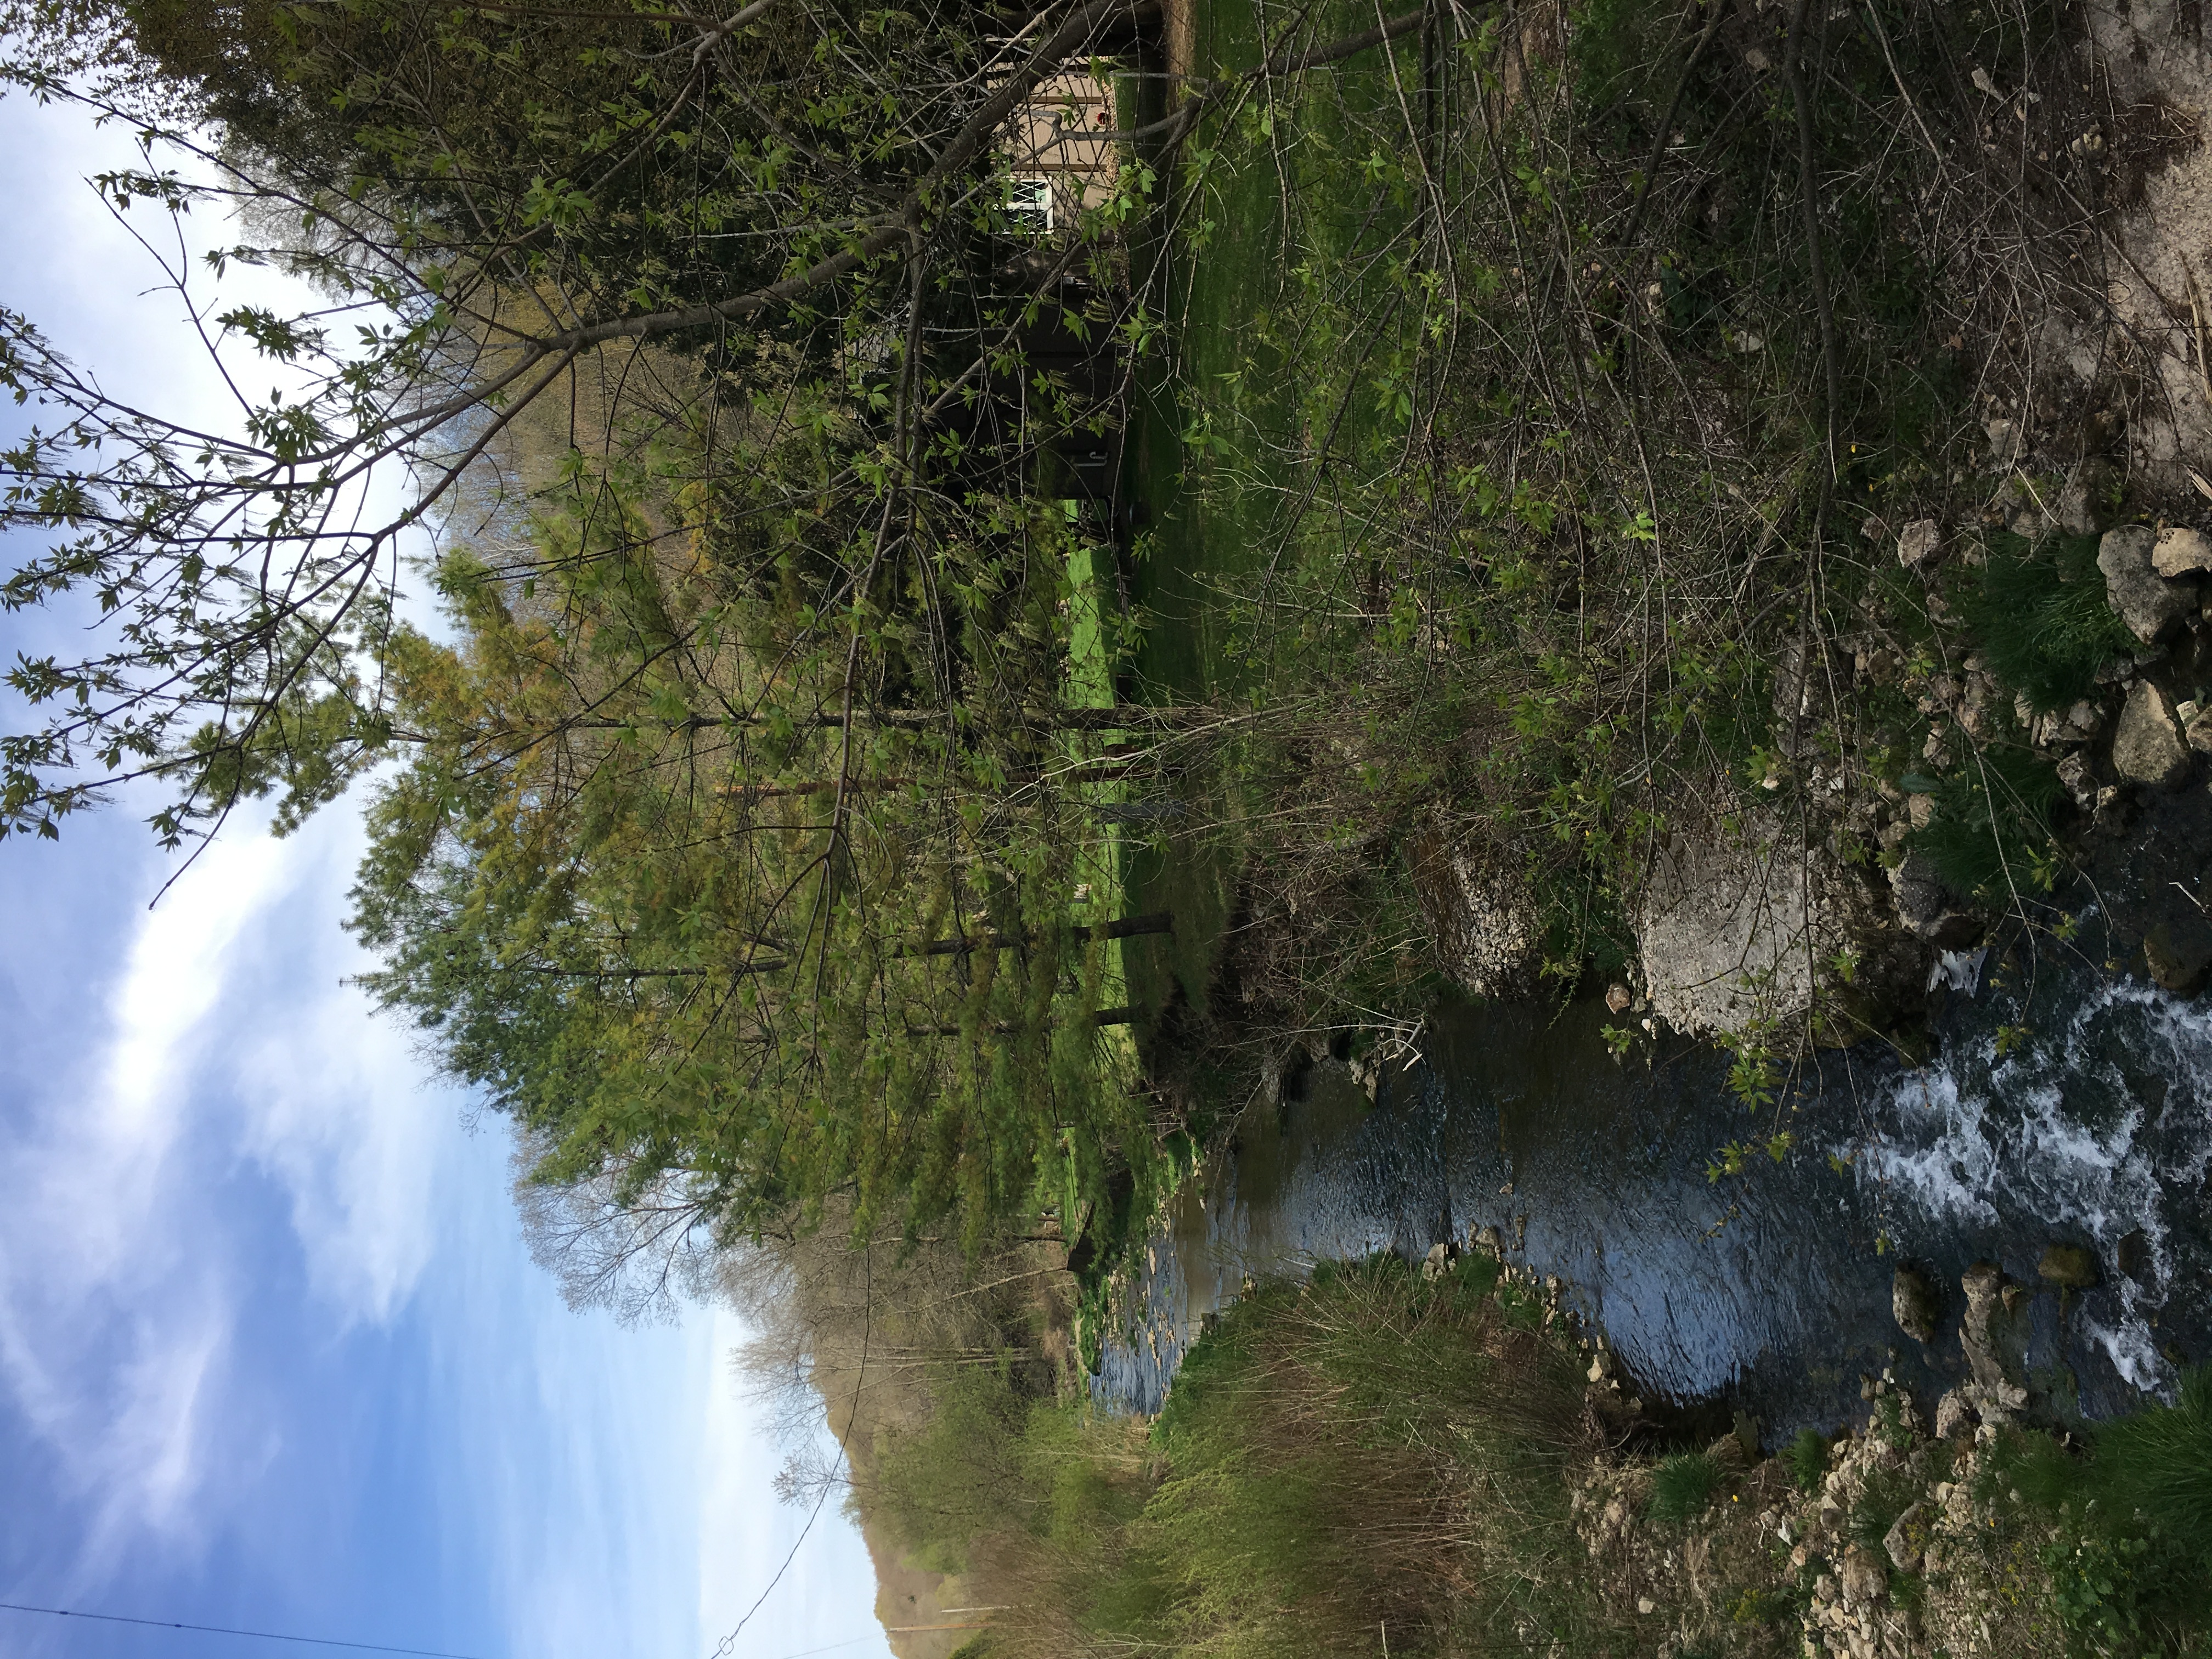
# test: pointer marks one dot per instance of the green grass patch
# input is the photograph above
(1683, 1485)
(1807, 1457)
(2041, 616)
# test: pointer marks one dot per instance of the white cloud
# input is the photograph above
(334, 1106)
(120, 1255)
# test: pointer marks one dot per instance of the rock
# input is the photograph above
(2069, 1267)
(2006, 446)
(1864, 1578)
(1487, 934)
(1616, 999)
(2076, 725)
(2178, 955)
(1730, 929)
(1490, 1243)
(2151, 606)
(1908, 1537)
(2079, 781)
(1434, 1266)
(2134, 1257)
(1997, 1350)
(1954, 1419)
(1913, 1300)
(2147, 749)
(1920, 544)
(2199, 734)
(1918, 891)
(2179, 552)
(2082, 503)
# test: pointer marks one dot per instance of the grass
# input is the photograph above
(1683, 1485)
(2039, 615)
(1369, 1451)
(2129, 1563)
(1807, 1457)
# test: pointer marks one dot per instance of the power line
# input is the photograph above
(225, 1630)
(315, 1641)
(849, 1642)
(728, 1644)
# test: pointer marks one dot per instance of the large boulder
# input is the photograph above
(2147, 603)
(1729, 931)
(1864, 1577)
(2148, 748)
(2177, 952)
(1914, 1301)
(1485, 930)
(1908, 1535)
(1991, 1333)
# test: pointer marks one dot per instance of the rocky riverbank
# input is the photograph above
(1926, 1530)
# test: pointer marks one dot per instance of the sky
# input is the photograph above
(273, 1354)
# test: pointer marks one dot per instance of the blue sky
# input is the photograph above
(272, 1352)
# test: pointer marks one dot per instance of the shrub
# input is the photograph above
(1683, 1484)
(2041, 617)
(1991, 830)
(1808, 1459)
(1889, 1494)
(2159, 1463)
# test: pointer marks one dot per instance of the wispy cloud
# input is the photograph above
(127, 1240)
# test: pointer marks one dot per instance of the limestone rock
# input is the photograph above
(2068, 1266)
(1913, 1300)
(1908, 1536)
(1995, 1347)
(1864, 1579)
(2082, 503)
(2079, 781)
(1723, 931)
(2151, 606)
(2147, 749)
(1954, 1419)
(2181, 552)
(1920, 544)
(2178, 954)
(1485, 930)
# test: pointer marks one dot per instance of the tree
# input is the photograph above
(732, 850)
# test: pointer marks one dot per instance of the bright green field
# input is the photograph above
(1202, 449)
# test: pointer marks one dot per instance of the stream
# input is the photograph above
(1768, 1290)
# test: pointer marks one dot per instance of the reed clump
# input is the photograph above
(1368, 1452)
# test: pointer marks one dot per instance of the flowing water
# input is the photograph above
(1770, 1290)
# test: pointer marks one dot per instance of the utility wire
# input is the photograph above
(225, 1630)
(728, 1644)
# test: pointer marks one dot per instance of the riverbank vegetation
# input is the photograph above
(1390, 1453)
